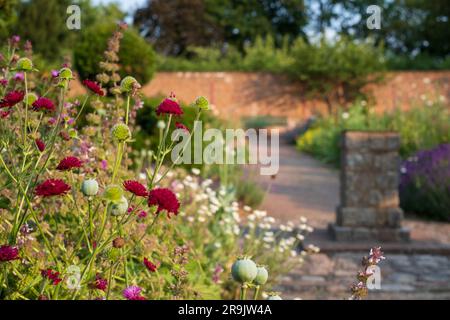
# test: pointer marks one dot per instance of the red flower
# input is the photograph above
(69, 163)
(40, 145)
(5, 114)
(52, 187)
(99, 283)
(150, 266)
(8, 253)
(12, 98)
(169, 106)
(51, 275)
(136, 188)
(165, 199)
(179, 125)
(43, 104)
(94, 87)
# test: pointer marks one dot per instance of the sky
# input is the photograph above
(126, 5)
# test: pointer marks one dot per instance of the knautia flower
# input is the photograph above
(149, 265)
(244, 270)
(53, 276)
(202, 103)
(261, 276)
(69, 163)
(113, 193)
(19, 77)
(11, 99)
(24, 64)
(133, 293)
(169, 106)
(52, 187)
(164, 199)
(181, 126)
(99, 283)
(94, 87)
(8, 253)
(119, 208)
(89, 187)
(121, 132)
(43, 104)
(40, 144)
(136, 188)
(128, 84)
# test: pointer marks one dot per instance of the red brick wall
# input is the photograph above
(236, 94)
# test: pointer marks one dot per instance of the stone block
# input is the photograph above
(351, 217)
(340, 234)
(355, 140)
(392, 141)
(377, 142)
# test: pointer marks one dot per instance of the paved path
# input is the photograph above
(306, 187)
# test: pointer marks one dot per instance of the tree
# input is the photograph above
(174, 25)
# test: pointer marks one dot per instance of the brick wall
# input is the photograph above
(237, 94)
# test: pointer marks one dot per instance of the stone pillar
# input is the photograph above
(369, 208)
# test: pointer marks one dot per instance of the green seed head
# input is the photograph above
(244, 270)
(113, 193)
(128, 84)
(30, 98)
(161, 124)
(261, 276)
(120, 207)
(24, 64)
(202, 103)
(66, 74)
(89, 187)
(121, 132)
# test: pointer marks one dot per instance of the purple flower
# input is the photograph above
(133, 293)
(55, 73)
(19, 77)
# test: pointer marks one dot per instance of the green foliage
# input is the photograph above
(330, 68)
(136, 56)
(261, 122)
(7, 17)
(249, 193)
(419, 128)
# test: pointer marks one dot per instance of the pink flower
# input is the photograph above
(12, 98)
(51, 275)
(133, 293)
(40, 145)
(100, 283)
(52, 187)
(94, 87)
(19, 77)
(181, 126)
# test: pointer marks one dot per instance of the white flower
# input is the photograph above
(196, 171)
(345, 115)
(300, 237)
(247, 208)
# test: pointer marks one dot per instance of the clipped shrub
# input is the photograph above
(136, 55)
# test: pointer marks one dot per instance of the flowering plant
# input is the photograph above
(78, 223)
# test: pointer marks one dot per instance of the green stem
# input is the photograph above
(243, 291)
(128, 110)
(255, 296)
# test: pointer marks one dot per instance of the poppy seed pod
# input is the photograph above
(24, 64)
(89, 187)
(121, 132)
(244, 270)
(128, 84)
(120, 207)
(113, 193)
(261, 276)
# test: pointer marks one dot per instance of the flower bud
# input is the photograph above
(121, 132)
(244, 270)
(89, 187)
(113, 193)
(202, 103)
(261, 276)
(161, 125)
(24, 64)
(120, 207)
(128, 84)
